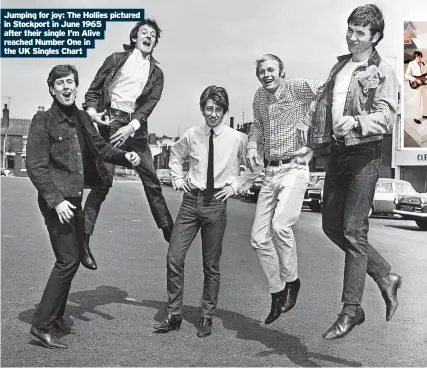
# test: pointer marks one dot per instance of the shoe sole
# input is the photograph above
(164, 330)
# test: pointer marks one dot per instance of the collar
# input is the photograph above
(129, 49)
(217, 130)
(137, 53)
(278, 91)
(374, 59)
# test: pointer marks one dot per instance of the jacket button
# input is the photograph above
(79, 193)
(78, 153)
(60, 138)
(80, 172)
(75, 135)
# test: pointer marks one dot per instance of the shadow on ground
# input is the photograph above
(246, 328)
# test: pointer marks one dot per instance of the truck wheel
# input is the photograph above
(422, 224)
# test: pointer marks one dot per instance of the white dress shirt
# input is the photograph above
(415, 70)
(129, 83)
(229, 154)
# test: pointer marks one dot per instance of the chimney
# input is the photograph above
(231, 122)
(5, 118)
(40, 109)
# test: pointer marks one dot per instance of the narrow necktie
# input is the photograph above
(210, 174)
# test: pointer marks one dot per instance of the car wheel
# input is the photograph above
(254, 198)
(315, 206)
(422, 224)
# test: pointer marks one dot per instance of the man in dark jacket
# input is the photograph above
(120, 99)
(64, 153)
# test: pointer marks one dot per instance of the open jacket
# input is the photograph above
(98, 95)
(54, 158)
(372, 98)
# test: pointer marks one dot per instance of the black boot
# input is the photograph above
(87, 259)
(290, 295)
(277, 301)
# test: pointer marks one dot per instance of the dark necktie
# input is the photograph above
(210, 176)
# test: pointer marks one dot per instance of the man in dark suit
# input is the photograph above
(120, 99)
(64, 153)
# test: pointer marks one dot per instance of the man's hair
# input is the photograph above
(216, 94)
(269, 57)
(61, 71)
(417, 53)
(149, 22)
(368, 14)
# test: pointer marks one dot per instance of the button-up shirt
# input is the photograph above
(229, 154)
(415, 70)
(282, 118)
(129, 83)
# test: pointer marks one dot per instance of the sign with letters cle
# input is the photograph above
(411, 157)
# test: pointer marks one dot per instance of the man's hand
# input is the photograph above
(253, 158)
(119, 137)
(65, 214)
(345, 125)
(182, 185)
(133, 158)
(302, 156)
(224, 193)
(99, 117)
(419, 81)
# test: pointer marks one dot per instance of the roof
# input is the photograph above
(17, 127)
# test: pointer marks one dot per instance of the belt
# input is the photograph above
(276, 163)
(121, 114)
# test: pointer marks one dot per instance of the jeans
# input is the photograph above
(66, 240)
(348, 194)
(211, 217)
(278, 209)
(146, 172)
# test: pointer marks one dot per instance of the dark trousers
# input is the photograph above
(146, 172)
(210, 216)
(66, 240)
(348, 193)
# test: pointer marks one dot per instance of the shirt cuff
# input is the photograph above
(251, 145)
(178, 182)
(90, 110)
(135, 124)
(235, 186)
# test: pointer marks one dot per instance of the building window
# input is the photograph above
(11, 163)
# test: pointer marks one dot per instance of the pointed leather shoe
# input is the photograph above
(205, 327)
(277, 300)
(87, 259)
(291, 293)
(48, 339)
(62, 327)
(169, 323)
(344, 324)
(390, 294)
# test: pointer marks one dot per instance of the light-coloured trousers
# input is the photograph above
(279, 206)
(422, 95)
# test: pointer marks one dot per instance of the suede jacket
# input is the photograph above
(54, 158)
(98, 96)
(372, 98)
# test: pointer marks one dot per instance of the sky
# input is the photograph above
(210, 42)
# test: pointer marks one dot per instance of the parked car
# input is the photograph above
(253, 192)
(413, 207)
(315, 196)
(315, 184)
(387, 194)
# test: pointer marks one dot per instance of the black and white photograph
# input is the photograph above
(230, 183)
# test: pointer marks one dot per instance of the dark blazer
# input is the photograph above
(98, 97)
(54, 159)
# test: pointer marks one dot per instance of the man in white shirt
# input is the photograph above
(216, 152)
(416, 68)
(120, 99)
